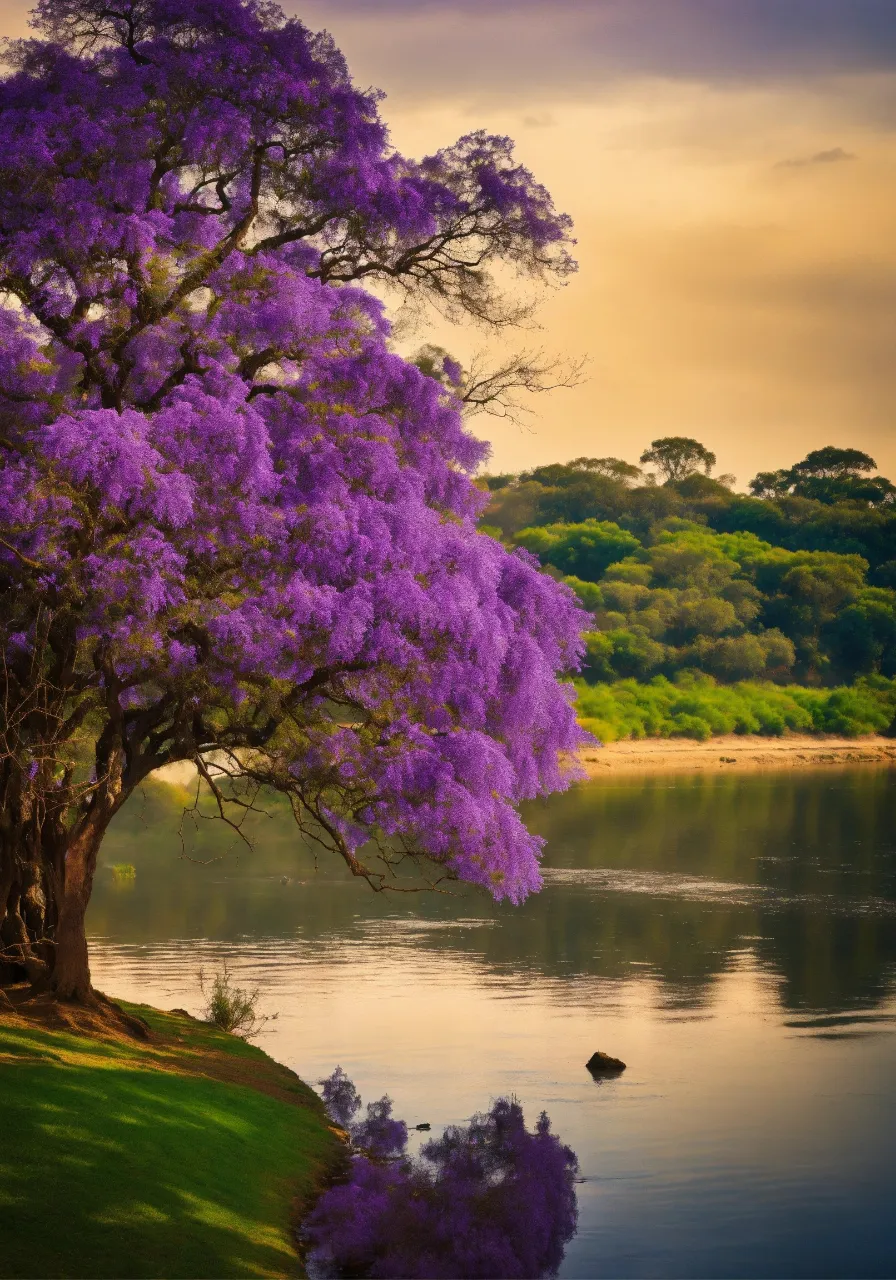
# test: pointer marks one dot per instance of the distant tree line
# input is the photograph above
(795, 582)
(697, 706)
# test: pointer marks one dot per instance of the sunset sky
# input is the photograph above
(731, 169)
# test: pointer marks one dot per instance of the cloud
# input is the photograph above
(832, 156)
(715, 298)
(449, 47)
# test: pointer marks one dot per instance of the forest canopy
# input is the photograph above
(795, 583)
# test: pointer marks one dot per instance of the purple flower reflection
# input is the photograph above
(340, 1098)
(487, 1199)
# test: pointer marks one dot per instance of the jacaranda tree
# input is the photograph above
(237, 528)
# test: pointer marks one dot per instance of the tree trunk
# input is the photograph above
(71, 971)
(45, 881)
(51, 827)
(27, 905)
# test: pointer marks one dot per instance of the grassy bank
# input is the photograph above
(189, 1155)
(697, 707)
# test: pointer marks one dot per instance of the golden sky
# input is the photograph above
(731, 169)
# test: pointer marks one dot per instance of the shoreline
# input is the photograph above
(735, 753)
(204, 1152)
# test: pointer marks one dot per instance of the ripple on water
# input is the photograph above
(663, 884)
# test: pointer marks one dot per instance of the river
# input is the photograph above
(732, 938)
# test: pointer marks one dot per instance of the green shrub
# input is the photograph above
(695, 706)
(589, 593)
(232, 1008)
(584, 550)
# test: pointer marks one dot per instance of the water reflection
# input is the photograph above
(487, 1198)
(678, 880)
(732, 939)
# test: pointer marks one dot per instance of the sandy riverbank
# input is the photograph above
(735, 752)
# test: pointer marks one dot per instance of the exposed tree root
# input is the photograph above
(96, 1015)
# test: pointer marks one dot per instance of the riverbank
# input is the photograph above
(189, 1154)
(734, 752)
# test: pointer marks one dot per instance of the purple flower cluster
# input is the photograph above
(233, 518)
(378, 1134)
(486, 1199)
(340, 1097)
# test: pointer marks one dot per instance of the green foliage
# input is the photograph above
(688, 581)
(122, 1159)
(862, 636)
(677, 457)
(491, 530)
(676, 595)
(831, 462)
(123, 872)
(231, 1008)
(830, 476)
(584, 549)
(566, 473)
(589, 593)
(690, 601)
(610, 654)
(697, 485)
(698, 707)
(780, 512)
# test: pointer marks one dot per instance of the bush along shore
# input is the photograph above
(697, 707)
(187, 1153)
(712, 611)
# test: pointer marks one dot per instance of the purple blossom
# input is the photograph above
(250, 523)
(340, 1097)
(486, 1199)
(379, 1133)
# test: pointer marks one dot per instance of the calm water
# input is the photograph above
(732, 938)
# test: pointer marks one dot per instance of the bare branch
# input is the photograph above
(25, 560)
(497, 390)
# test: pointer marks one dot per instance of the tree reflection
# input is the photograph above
(488, 1198)
(688, 875)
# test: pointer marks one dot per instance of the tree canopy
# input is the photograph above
(689, 577)
(828, 475)
(831, 462)
(237, 528)
(677, 457)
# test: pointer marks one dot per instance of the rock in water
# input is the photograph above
(601, 1064)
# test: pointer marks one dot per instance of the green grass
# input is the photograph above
(118, 1159)
(697, 707)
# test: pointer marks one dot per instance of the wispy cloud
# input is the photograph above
(436, 47)
(832, 156)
